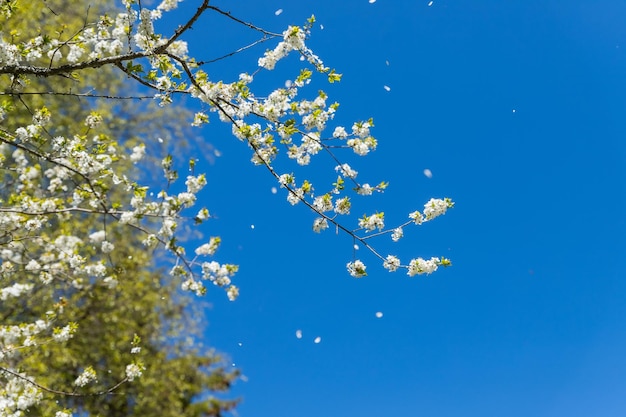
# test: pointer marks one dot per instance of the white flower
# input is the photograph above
(93, 120)
(340, 132)
(88, 375)
(203, 214)
(179, 48)
(138, 153)
(372, 222)
(107, 247)
(342, 206)
(127, 217)
(417, 217)
(294, 198)
(167, 5)
(365, 189)
(323, 203)
(436, 207)
(133, 371)
(62, 334)
(232, 292)
(346, 171)
(420, 266)
(320, 224)
(193, 285)
(397, 234)
(209, 248)
(186, 199)
(286, 179)
(110, 282)
(391, 263)
(32, 265)
(245, 78)
(358, 146)
(356, 269)
(167, 230)
(150, 240)
(199, 119)
(195, 184)
(361, 129)
(15, 290)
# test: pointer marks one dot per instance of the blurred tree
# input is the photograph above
(180, 374)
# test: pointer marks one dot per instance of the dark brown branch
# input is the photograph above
(87, 95)
(69, 68)
(65, 393)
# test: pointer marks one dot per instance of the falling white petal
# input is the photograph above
(356, 247)
(299, 334)
(319, 339)
(387, 62)
(428, 173)
(386, 87)
(430, 3)
(251, 226)
(274, 190)
(379, 314)
(278, 12)
(372, 1)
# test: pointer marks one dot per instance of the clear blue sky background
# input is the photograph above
(519, 110)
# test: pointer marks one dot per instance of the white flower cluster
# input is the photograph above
(210, 247)
(17, 395)
(373, 222)
(15, 290)
(435, 207)
(420, 266)
(133, 371)
(320, 224)
(87, 376)
(293, 39)
(356, 269)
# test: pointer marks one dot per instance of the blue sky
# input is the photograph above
(519, 110)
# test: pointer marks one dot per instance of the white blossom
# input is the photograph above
(133, 371)
(356, 269)
(14, 291)
(420, 266)
(139, 152)
(209, 248)
(107, 247)
(397, 234)
(320, 224)
(375, 221)
(88, 375)
(62, 334)
(391, 263)
(436, 207)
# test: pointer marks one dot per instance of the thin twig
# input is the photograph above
(248, 24)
